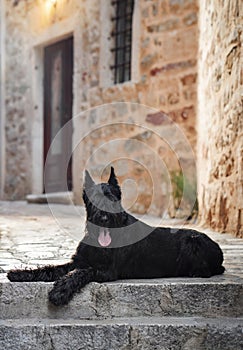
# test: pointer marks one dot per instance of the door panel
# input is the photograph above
(58, 73)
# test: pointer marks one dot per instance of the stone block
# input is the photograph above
(178, 6)
(140, 333)
(128, 298)
(167, 25)
(189, 79)
(158, 118)
(148, 60)
(173, 66)
(190, 19)
(173, 98)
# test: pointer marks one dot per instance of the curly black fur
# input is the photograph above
(118, 246)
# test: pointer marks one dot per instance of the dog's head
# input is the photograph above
(104, 209)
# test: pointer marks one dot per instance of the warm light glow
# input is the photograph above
(50, 3)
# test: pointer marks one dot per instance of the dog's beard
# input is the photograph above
(104, 237)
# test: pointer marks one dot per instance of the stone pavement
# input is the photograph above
(40, 234)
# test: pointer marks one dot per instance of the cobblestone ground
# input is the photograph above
(32, 234)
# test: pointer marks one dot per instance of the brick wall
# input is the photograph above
(220, 115)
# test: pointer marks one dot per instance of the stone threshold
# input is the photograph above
(57, 198)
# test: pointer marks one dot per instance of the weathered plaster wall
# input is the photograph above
(29, 26)
(17, 106)
(220, 115)
(2, 99)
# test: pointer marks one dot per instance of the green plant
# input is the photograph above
(184, 188)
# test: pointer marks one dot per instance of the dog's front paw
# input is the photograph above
(12, 276)
(57, 298)
(19, 275)
(60, 294)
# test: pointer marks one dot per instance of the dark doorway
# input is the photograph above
(58, 98)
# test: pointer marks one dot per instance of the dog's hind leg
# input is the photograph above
(199, 257)
(191, 261)
(64, 288)
(48, 273)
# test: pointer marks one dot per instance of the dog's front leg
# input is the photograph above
(64, 288)
(48, 273)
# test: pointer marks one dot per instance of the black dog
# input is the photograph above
(118, 246)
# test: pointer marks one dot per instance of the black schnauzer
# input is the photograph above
(118, 246)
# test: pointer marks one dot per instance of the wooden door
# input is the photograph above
(58, 78)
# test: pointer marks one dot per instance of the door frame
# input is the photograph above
(58, 32)
(60, 182)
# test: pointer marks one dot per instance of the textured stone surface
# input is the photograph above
(220, 121)
(221, 295)
(142, 333)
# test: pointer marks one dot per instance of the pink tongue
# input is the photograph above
(104, 237)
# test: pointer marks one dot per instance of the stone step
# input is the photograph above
(147, 333)
(217, 296)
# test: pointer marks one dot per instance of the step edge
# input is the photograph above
(139, 321)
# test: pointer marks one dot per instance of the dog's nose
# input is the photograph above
(104, 219)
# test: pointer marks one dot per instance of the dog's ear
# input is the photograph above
(112, 179)
(88, 181)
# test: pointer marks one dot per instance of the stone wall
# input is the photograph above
(220, 115)
(142, 156)
(167, 61)
(164, 78)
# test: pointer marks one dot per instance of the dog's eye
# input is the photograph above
(115, 195)
(106, 191)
